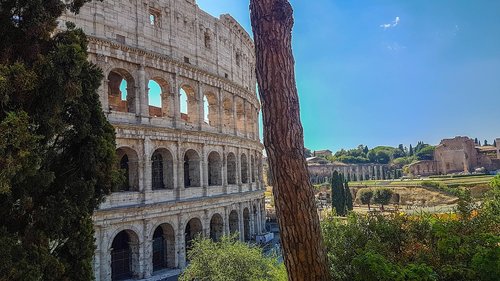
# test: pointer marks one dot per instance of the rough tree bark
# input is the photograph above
(304, 253)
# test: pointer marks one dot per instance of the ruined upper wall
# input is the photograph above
(176, 28)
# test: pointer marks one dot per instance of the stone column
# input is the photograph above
(358, 174)
(235, 121)
(180, 171)
(226, 221)
(220, 115)
(224, 169)
(206, 224)
(103, 97)
(177, 103)
(375, 172)
(181, 242)
(263, 214)
(381, 172)
(245, 118)
(201, 109)
(147, 254)
(257, 132)
(238, 168)
(241, 222)
(147, 165)
(363, 170)
(142, 94)
(204, 170)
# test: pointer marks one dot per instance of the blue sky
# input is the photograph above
(389, 71)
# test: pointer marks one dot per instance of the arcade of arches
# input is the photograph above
(142, 249)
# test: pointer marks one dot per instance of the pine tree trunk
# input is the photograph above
(304, 253)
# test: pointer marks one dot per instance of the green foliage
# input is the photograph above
(365, 196)
(462, 246)
(382, 196)
(426, 153)
(348, 197)
(57, 150)
(338, 194)
(229, 260)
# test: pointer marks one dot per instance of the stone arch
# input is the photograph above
(129, 165)
(164, 247)
(250, 120)
(216, 227)
(192, 169)
(124, 255)
(211, 109)
(231, 168)
(233, 222)
(162, 169)
(188, 104)
(121, 91)
(244, 168)
(255, 218)
(193, 228)
(159, 98)
(246, 224)
(214, 169)
(227, 107)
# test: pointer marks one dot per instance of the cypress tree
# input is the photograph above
(348, 197)
(411, 150)
(57, 150)
(338, 196)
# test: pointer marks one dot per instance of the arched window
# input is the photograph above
(214, 169)
(121, 92)
(125, 170)
(231, 168)
(157, 170)
(216, 227)
(163, 247)
(192, 169)
(244, 169)
(233, 222)
(206, 110)
(246, 224)
(124, 255)
(193, 228)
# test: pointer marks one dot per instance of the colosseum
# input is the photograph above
(180, 90)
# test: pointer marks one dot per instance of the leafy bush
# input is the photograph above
(229, 260)
(461, 246)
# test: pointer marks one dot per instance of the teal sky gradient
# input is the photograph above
(365, 77)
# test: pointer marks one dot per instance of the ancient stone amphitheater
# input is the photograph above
(191, 155)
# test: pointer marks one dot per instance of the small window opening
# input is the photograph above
(186, 60)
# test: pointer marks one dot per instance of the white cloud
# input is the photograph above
(394, 23)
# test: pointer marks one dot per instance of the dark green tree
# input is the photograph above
(411, 150)
(348, 196)
(476, 141)
(382, 196)
(57, 150)
(338, 194)
(485, 142)
(495, 143)
(365, 196)
(426, 153)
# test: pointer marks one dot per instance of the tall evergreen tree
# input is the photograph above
(338, 194)
(476, 141)
(495, 143)
(348, 197)
(485, 142)
(57, 150)
(411, 150)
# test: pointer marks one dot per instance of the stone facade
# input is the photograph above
(423, 168)
(192, 172)
(460, 154)
(321, 173)
(497, 141)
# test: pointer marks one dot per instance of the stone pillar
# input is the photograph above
(147, 165)
(180, 171)
(263, 214)
(363, 170)
(358, 174)
(224, 169)
(235, 121)
(381, 172)
(177, 102)
(257, 131)
(241, 223)
(142, 94)
(204, 170)
(245, 118)
(103, 97)
(206, 224)
(147, 254)
(181, 242)
(220, 115)
(375, 172)
(201, 109)
(226, 221)
(238, 168)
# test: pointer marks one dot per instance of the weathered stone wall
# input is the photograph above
(322, 173)
(423, 168)
(456, 155)
(184, 173)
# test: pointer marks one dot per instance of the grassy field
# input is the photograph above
(449, 181)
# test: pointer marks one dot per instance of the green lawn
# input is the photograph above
(450, 181)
